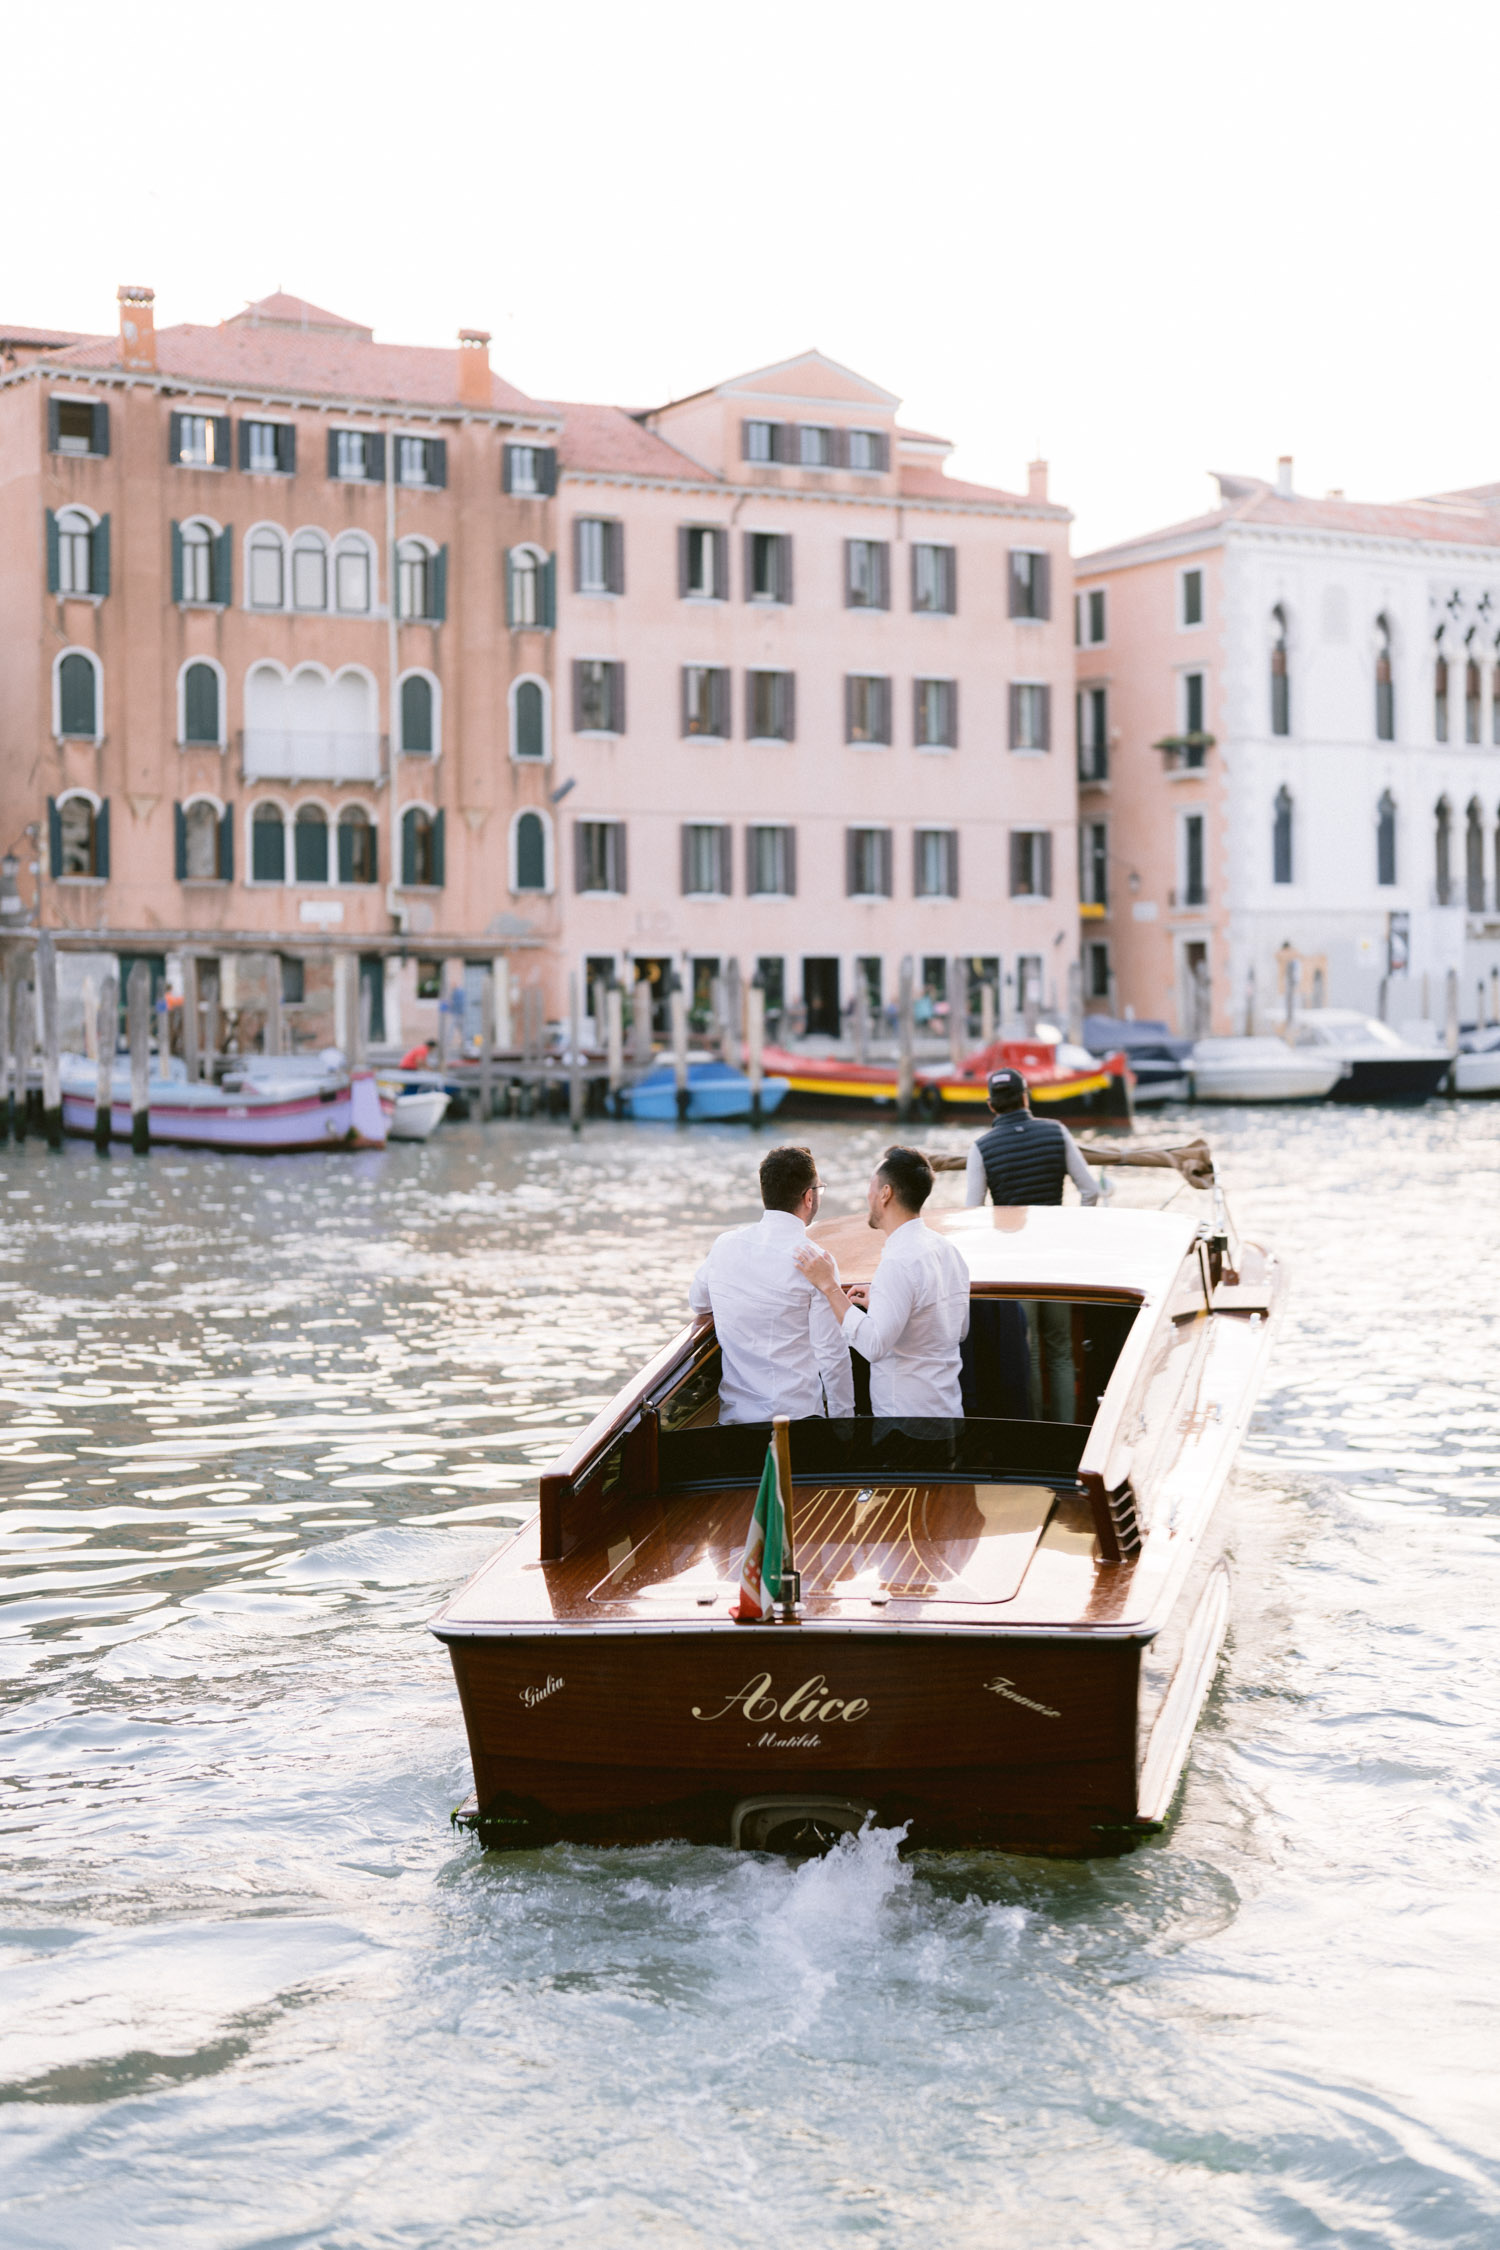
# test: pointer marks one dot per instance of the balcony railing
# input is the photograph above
(275, 754)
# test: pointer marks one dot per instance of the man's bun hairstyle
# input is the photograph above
(786, 1174)
(909, 1175)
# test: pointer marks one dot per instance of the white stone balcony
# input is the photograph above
(279, 754)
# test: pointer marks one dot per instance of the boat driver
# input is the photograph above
(781, 1348)
(917, 1307)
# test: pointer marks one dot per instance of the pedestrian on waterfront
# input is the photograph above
(916, 1313)
(781, 1348)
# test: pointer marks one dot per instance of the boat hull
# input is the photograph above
(1235, 1084)
(1399, 1078)
(706, 1103)
(1477, 1074)
(352, 1118)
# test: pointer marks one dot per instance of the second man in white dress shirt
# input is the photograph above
(781, 1346)
(918, 1302)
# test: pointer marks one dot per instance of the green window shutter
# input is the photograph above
(243, 453)
(101, 842)
(408, 851)
(100, 442)
(505, 454)
(99, 557)
(546, 462)
(375, 458)
(416, 714)
(439, 866)
(174, 437)
(510, 587)
(200, 704)
(437, 586)
(223, 438)
(437, 461)
(53, 418)
(54, 567)
(54, 838)
(333, 453)
(547, 604)
(286, 449)
(179, 843)
(177, 562)
(223, 566)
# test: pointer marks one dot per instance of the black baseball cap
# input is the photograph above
(1007, 1089)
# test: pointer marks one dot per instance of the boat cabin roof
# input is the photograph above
(1039, 1246)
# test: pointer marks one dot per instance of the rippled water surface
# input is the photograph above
(256, 1418)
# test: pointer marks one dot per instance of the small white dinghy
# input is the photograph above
(418, 1111)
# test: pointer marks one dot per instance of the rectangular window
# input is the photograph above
(1195, 750)
(934, 579)
(770, 975)
(1096, 971)
(529, 470)
(702, 563)
(600, 855)
(598, 696)
(867, 863)
(935, 714)
(411, 461)
(1192, 597)
(351, 453)
(867, 708)
(1193, 890)
(705, 701)
(1030, 716)
(1089, 618)
(765, 442)
(1093, 734)
(768, 566)
(1031, 863)
(869, 979)
(1030, 583)
(868, 450)
(268, 449)
(598, 555)
(770, 706)
(814, 447)
(707, 854)
(935, 862)
(771, 864)
(867, 574)
(78, 426)
(1093, 838)
(201, 441)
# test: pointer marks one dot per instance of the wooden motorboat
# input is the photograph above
(283, 1105)
(1008, 1623)
(1071, 1083)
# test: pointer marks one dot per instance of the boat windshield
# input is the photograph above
(928, 1448)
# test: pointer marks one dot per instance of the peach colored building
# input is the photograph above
(275, 643)
(1289, 751)
(811, 704)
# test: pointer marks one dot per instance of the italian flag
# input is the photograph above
(765, 1547)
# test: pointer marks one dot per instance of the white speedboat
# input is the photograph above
(1378, 1065)
(1260, 1070)
(1476, 1066)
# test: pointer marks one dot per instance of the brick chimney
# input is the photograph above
(474, 366)
(1036, 480)
(1284, 476)
(137, 328)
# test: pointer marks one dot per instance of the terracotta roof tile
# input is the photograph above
(931, 484)
(1469, 519)
(280, 310)
(12, 333)
(607, 438)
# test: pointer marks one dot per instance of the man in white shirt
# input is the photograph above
(918, 1302)
(782, 1350)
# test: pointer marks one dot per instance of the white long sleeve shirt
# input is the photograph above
(918, 1317)
(781, 1346)
(977, 1187)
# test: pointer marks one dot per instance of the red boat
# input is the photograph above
(1059, 1085)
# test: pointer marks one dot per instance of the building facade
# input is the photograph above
(1288, 720)
(270, 592)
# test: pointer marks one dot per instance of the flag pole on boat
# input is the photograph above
(791, 1576)
(770, 1585)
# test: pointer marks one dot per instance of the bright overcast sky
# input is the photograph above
(1150, 239)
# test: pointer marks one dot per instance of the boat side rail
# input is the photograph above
(563, 1481)
(1104, 1470)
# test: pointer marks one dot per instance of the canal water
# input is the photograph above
(257, 1418)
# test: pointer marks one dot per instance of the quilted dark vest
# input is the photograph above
(1024, 1159)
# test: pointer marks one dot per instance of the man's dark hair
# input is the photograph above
(909, 1175)
(786, 1174)
(1007, 1092)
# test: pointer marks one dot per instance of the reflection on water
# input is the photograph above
(255, 1419)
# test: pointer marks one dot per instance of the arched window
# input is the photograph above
(351, 576)
(267, 570)
(1440, 696)
(197, 558)
(1474, 857)
(78, 696)
(309, 572)
(414, 574)
(530, 870)
(200, 842)
(77, 837)
(417, 735)
(1281, 686)
(1385, 839)
(421, 849)
(525, 587)
(1471, 701)
(310, 844)
(530, 737)
(357, 849)
(200, 704)
(268, 844)
(1385, 685)
(1443, 851)
(75, 552)
(1281, 838)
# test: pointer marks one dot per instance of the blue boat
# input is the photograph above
(714, 1091)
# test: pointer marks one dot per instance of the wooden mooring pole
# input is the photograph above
(46, 985)
(680, 1046)
(614, 1009)
(755, 1044)
(487, 1044)
(906, 1031)
(7, 1079)
(138, 1023)
(575, 1052)
(107, 1039)
(23, 1047)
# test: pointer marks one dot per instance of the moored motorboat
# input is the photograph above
(1260, 1070)
(715, 1090)
(1378, 1065)
(1064, 1081)
(1476, 1066)
(1008, 1623)
(1157, 1057)
(282, 1105)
